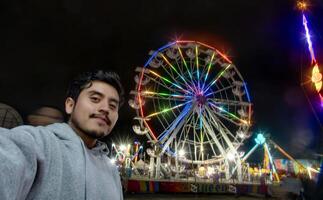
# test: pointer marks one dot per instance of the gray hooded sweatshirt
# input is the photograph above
(53, 163)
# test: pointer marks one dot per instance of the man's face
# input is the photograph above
(95, 112)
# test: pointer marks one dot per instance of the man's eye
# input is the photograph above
(95, 99)
(113, 107)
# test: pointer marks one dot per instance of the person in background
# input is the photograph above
(66, 160)
(45, 115)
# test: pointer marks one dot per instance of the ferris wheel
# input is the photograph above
(192, 102)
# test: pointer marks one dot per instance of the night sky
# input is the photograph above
(46, 43)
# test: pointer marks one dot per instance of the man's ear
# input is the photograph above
(69, 105)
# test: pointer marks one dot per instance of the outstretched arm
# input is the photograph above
(18, 163)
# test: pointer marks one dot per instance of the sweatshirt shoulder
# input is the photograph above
(38, 130)
(34, 131)
(38, 134)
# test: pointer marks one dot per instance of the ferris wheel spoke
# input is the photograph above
(227, 113)
(220, 90)
(169, 81)
(162, 123)
(185, 131)
(164, 96)
(175, 70)
(167, 109)
(197, 65)
(174, 125)
(208, 70)
(220, 126)
(221, 102)
(213, 136)
(196, 134)
(175, 79)
(184, 72)
(220, 123)
(176, 90)
(185, 64)
(174, 130)
(225, 117)
(166, 99)
(211, 145)
(185, 140)
(217, 78)
(222, 129)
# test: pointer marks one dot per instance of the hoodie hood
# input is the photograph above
(64, 132)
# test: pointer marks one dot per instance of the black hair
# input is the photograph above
(84, 80)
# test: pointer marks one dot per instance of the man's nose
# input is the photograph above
(104, 107)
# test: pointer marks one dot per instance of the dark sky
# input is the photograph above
(45, 43)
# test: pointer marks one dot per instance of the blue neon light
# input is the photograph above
(246, 89)
(260, 139)
(156, 52)
(180, 117)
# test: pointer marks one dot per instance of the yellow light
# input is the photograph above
(123, 147)
(316, 75)
(302, 5)
(317, 78)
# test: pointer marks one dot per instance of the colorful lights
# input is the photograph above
(167, 109)
(144, 93)
(316, 77)
(171, 94)
(217, 78)
(166, 60)
(120, 153)
(260, 139)
(302, 5)
(271, 161)
(208, 69)
(185, 64)
(176, 122)
(197, 63)
(221, 109)
(309, 41)
(168, 81)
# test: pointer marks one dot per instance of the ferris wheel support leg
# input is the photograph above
(157, 175)
(223, 132)
(227, 171)
(239, 171)
(176, 161)
(151, 167)
(218, 144)
(248, 174)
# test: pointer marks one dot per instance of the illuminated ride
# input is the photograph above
(316, 76)
(269, 162)
(194, 107)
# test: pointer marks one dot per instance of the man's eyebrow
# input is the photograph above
(94, 92)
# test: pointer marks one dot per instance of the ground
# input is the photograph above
(189, 197)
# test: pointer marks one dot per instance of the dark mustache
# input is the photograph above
(101, 116)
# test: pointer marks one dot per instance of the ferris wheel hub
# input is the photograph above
(201, 100)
